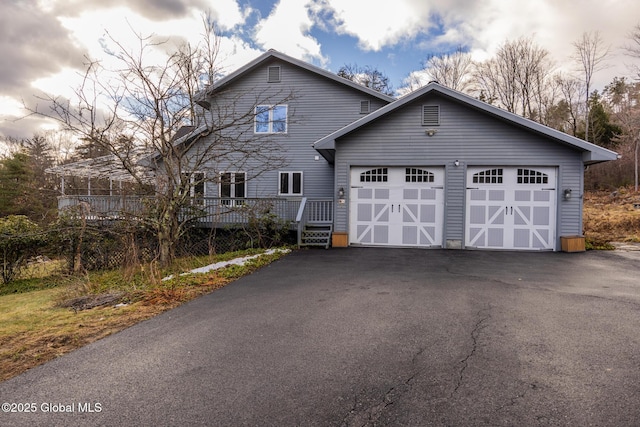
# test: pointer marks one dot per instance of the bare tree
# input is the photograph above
(518, 78)
(632, 49)
(163, 109)
(62, 145)
(570, 89)
(414, 81)
(367, 76)
(452, 69)
(590, 54)
(624, 98)
(632, 123)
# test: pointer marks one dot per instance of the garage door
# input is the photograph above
(511, 208)
(396, 206)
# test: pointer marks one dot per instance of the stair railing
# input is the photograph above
(301, 219)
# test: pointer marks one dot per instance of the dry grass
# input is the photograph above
(36, 327)
(611, 217)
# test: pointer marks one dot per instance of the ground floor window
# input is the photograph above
(233, 186)
(290, 183)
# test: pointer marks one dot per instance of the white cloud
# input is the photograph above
(553, 24)
(10, 106)
(227, 13)
(375, 25)
(93, 31)
(286, 29)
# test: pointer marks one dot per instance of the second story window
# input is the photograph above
(271, 119)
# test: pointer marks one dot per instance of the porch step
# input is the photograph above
(317, 235)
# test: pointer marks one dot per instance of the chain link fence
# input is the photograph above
(110, 244)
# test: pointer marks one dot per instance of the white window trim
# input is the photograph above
(233, 200)
(271, 108)
(291, 173)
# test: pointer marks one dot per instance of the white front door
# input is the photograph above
(399, 206)
(511, 208)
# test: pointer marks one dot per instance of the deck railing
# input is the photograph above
(208, 210)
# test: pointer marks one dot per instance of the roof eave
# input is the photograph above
(592, 153)
(152, 159)
(593, 157)
(329, 154)
(310, 67)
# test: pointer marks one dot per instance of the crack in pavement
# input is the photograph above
(514, 400)
(359, 416)
(521, 283)
(362, 415)
(479, 326)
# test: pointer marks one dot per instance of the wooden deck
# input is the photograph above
(208, 211)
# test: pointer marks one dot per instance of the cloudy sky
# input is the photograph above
(44, 43)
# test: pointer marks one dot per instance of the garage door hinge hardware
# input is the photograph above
(473, 188)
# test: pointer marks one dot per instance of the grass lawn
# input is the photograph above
(38, 323)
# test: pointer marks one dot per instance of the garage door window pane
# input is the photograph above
(418, 175)
(489, 176)
(530, 176)
(374, 175)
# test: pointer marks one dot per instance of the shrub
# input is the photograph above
(20, 238)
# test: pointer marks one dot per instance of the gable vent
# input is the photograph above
(365, 107)
(273, 74)
(430, 115)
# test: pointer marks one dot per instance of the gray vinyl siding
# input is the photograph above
(320, 107)
(454, 198)
(474, 139)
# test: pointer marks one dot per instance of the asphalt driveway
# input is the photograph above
(364, 336)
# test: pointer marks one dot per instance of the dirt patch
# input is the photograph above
(87, 302)
(612, 216)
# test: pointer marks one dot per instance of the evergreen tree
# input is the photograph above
(25, 187)
(15, 177)
(602, 131)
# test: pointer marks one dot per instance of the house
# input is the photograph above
(435, 168)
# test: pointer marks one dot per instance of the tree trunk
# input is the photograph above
(636, 162)
(168, 235)
(77, 259)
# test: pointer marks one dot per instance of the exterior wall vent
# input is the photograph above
(273, 74)
(365, 107)
(430, 115)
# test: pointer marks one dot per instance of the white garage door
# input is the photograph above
(511, 208)
(399, 206)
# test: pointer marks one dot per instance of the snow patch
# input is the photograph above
(222, 264)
